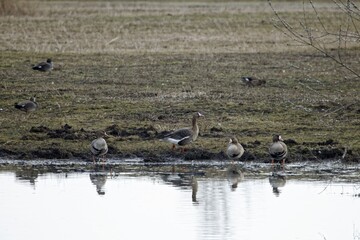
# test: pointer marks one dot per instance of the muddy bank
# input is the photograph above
(316, 170)
(60, 142)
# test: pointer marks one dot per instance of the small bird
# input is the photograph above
(252, 81)
(44, 66)
(184, 136)
(278, 149)
(28, 105)
(234, 149)
(99, 147)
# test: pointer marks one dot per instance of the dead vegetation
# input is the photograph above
(139, 69)
(17, 8)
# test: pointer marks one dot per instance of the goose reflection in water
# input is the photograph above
(98, 178)
(277, 180)
(194, 188)
(27, 174)
(234, 176)
(184, 181)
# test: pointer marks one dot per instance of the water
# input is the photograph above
(100, 205)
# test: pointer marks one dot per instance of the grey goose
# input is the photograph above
(234, 149)
(278, 149)
(28, 105)
(44, 66)
(184, 136)
(99, 147)
(252, 81)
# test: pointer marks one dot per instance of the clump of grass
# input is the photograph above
(16, 8)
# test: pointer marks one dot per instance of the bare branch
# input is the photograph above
(323, 40)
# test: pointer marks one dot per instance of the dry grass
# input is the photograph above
(118, 27)
(17, 8)
(150, 65)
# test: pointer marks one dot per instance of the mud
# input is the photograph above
(314, 170)
(305, 151)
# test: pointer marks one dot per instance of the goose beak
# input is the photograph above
(230, 141)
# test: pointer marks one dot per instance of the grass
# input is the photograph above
(146, 67)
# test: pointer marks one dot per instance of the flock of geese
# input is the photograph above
(180, 137)
(184, 136)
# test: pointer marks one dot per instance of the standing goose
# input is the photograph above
(252, 81)
(278, 149)
(44, 66)
(28, 105)
(234, 149)
(99, 147)
(184, 136)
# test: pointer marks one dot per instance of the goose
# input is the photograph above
(184, 136)
(234, 149)
(99, 147)
(252, 81)
(28, 105)
(278, 149)
(44, 66)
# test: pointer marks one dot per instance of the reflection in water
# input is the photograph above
(98, 178)
(277, 180)
(234, 176)
(27, 174)
(194, 188)
(184, 181)
(161, 205)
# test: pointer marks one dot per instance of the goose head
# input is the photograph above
(233, 140)
(277, 138)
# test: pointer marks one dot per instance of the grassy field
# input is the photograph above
(136, 69)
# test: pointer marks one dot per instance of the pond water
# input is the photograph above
(139, 205)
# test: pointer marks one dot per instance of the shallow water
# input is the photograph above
(117, 205)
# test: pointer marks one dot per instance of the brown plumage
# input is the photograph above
(278, 149)
(28, 105)
(184, 136)
(99, 147)
(234, 149)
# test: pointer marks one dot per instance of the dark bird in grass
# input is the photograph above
(184, 136)
(278, 149)
(252, 81)
(28, 105)
(44, 66)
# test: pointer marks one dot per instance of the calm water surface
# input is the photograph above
(98, 205)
